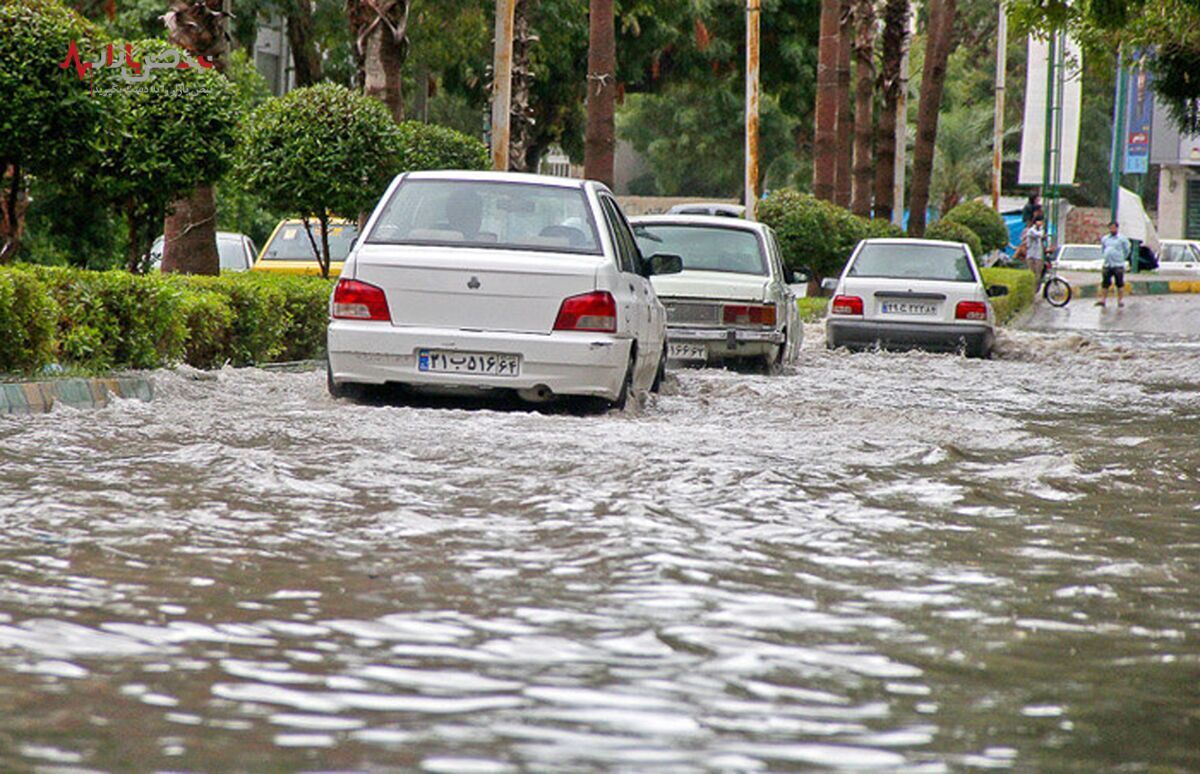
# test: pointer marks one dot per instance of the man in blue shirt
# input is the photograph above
(1116, 248)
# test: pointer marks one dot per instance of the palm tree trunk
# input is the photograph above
(190, 228)
(933, 81)
(599, 147)
(305, 59)
(864, 107)
(825, 130)
(845, 121)
(13, 203)
(895, 34)
(522, 157)
(380, 30)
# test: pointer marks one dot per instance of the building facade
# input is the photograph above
(1178, 155)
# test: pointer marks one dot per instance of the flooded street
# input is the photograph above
(876, 561)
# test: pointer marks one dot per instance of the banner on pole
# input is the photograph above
(1033, 133)
(1140, 118)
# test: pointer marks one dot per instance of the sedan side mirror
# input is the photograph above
(829, 283)
(996, 291)
(663, 263)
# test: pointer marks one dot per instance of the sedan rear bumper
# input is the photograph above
(725, 343)
(566, 363)
(976, 340)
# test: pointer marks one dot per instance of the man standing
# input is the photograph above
(1116, 249)
(1034, 241)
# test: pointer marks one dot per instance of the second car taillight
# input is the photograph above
(588, 312)
(749, 314)
(354, 300)
(846, 305)
(970, 310)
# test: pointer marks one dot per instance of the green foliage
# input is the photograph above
(27, 314)
(812, 308)
(428, 146)
(164, 135)
(984, 221)
(48, 118)
(320, 149)
(98, 321)
(1021, 286)
(65, 227)
(816, 233)
(950, 231)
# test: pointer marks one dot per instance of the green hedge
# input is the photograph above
(1020, 284)
(955, 232)
(817, 234)
(987, 224)
(112, 319)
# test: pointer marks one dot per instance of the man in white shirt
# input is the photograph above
(1116, 249)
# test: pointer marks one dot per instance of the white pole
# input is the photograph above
(502, 83)
(898, 202)
(752, 91)
(998, 121)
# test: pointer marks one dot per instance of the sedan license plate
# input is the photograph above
(909, 308)
(687, 352)
(480, 363)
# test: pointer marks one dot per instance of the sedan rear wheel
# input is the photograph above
(661, 374)
(341, 389)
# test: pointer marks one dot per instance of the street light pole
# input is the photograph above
(502, 84)
(753, 14)
(1118, 135)
(998, 127)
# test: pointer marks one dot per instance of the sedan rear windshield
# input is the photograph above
(705, 248)
(464, 213)
(291, 243)
(913, 261)
(1081, 253)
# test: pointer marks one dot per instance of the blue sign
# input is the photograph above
(1139, 118)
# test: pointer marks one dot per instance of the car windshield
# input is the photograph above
(705, 248)
(290, 243)
(1081, 253)
(944, 263)
(513, 216)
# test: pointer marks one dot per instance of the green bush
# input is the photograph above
(816, 233)
(950, 231)
(429, 147)
(1021, 286)
(27, 315)
(99, 321)
(987, 224)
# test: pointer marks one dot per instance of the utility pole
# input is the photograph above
(753, 14)
(901, 168)
(998, 127)
(1118, 135)
(502, 84)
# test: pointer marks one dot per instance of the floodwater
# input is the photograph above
(876, 561)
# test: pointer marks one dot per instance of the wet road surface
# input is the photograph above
(1176, 316)
(877, 561)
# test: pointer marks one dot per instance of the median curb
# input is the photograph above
(1145, 288)
(40, 397)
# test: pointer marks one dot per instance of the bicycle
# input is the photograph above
(1056, 290)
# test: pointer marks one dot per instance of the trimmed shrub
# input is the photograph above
(429, 147)
(987, 224)
(816, 233)
(27, 315)
(1021, 286)
(955, 232)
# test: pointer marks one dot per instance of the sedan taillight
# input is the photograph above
(749, 314)
(970, 310)
(852, 305)
(595, 312)
(354, 300)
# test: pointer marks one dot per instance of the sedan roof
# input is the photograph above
(710, 221)
(498, 177)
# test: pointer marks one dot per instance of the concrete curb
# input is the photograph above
(40, 397)
(1144, 288)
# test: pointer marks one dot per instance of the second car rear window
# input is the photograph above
(943, 263)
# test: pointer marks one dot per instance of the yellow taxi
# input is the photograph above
(289, 250)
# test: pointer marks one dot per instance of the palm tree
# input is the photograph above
(600, 142)
(933, 82)
(962, 164)
(895, 39)
(380, 30)
(826, 113)
(864, 106)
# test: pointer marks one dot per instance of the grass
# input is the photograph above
(812, 308)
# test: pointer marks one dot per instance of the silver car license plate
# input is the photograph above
(677, 351)
(909, 309)
(479, 363)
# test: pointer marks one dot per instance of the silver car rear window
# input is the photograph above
(943, 263)
(705, 248)
(501, 215)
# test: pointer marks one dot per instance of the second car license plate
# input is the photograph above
(687, 352)
(481, 363)
(909, 308)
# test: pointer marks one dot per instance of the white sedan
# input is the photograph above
(482, 281)
(733, 300)
(912, 293)
(1178, 255)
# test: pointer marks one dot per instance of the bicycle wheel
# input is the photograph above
(1057, 292)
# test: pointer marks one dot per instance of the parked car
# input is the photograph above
(719, 209)
(235, 251)
(912, 293)
(1079, 258)
(481, 281)
(1178, 255)
(732, 302)
(290, 251)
